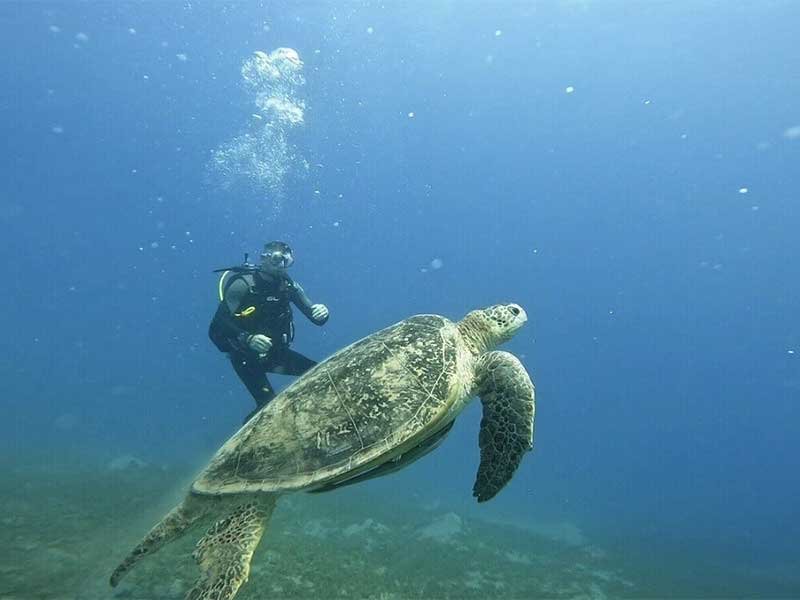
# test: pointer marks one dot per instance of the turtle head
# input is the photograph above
(487, 328)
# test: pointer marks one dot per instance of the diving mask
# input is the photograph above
(277, 255)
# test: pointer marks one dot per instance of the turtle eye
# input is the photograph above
(514, 310)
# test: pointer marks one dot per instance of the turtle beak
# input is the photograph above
(520, 316)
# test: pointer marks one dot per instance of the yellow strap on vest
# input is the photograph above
(246, 312)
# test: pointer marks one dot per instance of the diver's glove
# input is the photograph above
(319, 312)
(259, 343)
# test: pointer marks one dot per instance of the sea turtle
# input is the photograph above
(370, 409)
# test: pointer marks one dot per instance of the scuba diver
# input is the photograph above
(253, 323)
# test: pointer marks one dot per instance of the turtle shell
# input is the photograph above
(366, 404)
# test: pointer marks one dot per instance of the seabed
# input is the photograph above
(64, 530)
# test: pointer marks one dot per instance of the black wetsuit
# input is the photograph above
(260, 303)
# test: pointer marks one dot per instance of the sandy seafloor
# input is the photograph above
(65, 528)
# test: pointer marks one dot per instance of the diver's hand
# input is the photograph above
(319, 312)
(259, 343)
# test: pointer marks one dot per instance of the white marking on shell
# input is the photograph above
(344, 406)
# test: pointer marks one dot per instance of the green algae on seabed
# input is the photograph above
(64, 531)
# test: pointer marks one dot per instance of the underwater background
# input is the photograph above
(628, 172)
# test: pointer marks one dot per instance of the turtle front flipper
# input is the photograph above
(225, 551)
(170, 528)
(507, 394)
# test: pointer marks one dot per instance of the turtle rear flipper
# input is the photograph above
(170, 528)
(506, 434)
(225, 551)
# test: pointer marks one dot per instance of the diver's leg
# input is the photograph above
(253, 375)
(292, 363)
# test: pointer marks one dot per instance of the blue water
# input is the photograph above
(627, 172)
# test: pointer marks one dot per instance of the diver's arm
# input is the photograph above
(224, 318)
(301, 300)
(235, 293)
